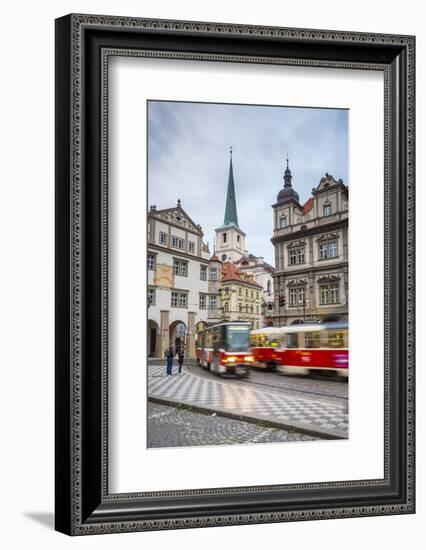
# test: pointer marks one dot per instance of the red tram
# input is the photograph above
(225, 348)
(303, 349)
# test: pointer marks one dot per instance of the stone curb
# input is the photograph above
(303, 428)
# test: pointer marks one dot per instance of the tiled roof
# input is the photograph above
(230, 272)
(308, 205)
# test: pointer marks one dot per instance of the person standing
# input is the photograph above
(181, 357)
(169, 353)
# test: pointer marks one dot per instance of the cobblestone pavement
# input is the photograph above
(315, 412)
(178, 427)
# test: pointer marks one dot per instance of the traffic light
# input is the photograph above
(281, 301)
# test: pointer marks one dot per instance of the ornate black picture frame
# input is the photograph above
(84, 44)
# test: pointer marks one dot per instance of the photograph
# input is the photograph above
(247, 274)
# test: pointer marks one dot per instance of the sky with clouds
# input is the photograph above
(188, 159)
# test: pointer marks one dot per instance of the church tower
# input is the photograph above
(230, 239)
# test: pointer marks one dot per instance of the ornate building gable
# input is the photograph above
(326, 182)
(177, 217)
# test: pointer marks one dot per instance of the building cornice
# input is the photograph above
(176, 252)
(341, 224)
(311, 270)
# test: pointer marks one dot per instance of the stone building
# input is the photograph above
(311, 253)
(241, 296)
(179, 288)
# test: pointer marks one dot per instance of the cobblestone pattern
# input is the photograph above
(308, 412)
(178, 427)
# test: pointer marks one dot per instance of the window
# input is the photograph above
(292, 340)
(326, 210)
(246, 293)
(297, 296)
(163, 237)
(213, 274)
(179, 299)
(328, 250)
(283, 221)
(329, 294)
(312, 339)
(240, 291)
(203, 272)
(335, 339)
(177, 242)
(191, 247)
(202, 301)
(238, 239)
(180, 268)
(212, 302)
(151, 261)
(268, 287)
(151, 297)
(296, 256)
(224, 237)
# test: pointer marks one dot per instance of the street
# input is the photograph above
(200, 408)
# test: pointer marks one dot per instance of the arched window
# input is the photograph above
(268, 287)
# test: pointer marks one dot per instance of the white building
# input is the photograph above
(178, 286)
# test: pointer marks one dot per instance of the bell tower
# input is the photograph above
(230, 239)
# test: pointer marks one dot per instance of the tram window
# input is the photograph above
(335, 339)
(312, 339)
(292, 340)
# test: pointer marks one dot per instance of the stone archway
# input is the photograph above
(177, 334)
(153, 339)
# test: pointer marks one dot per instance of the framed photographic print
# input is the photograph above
(234, 274)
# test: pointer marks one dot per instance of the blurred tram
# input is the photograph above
(303, 349)
(225, 348)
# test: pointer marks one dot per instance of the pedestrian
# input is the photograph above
(169, 353)
(181, 357)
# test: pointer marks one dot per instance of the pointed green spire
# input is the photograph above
(231, 217)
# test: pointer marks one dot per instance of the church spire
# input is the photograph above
(287, 175)
(231, 217)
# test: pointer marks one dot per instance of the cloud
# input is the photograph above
(188, 158)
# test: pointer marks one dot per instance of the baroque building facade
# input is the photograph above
(311, 253)
(183, 295)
